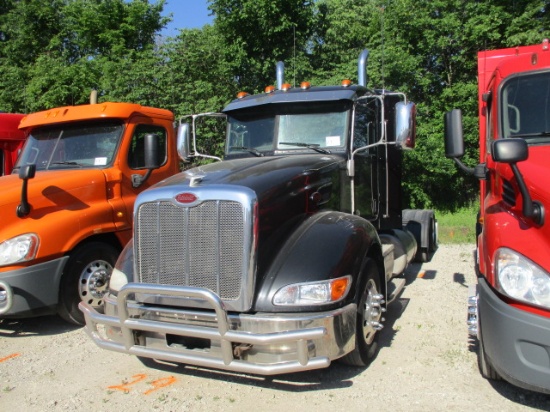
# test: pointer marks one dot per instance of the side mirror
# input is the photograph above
(151, 156)
(454, 139)
(405, 125)
(509, 150)
(26, 172)
(183, 142)
(151, 159)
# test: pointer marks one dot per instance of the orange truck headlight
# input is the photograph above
(18, 249)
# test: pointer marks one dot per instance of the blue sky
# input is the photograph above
(186, 14)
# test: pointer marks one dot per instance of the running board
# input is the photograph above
(395, 287)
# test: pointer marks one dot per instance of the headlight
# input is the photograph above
(313, 293)
(123, 271)
(521, 279)
(21, 248)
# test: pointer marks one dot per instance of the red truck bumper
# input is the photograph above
(517, 343)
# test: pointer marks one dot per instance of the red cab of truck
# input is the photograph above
(509, 308)
(11, 141)
(67, 207)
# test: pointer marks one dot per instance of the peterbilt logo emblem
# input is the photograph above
(186, 198)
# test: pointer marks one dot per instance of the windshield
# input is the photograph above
(526, 107)
(72, 146)
(320, 128)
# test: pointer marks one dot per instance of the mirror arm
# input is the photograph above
(479, 171)
(531, 210)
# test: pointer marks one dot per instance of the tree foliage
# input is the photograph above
(52, 53)
(56, 51)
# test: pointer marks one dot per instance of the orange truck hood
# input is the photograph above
(77, 196)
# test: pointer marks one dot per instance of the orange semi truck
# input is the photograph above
(11, 141)
(509, 307)
(67, 206)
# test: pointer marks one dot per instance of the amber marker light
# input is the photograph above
(305, 85)
(339, 288)
(286, 86)
(241, 95)
(346, 83)
(269, 89)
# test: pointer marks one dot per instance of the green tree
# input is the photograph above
(259, 33)
(427, 49)
(55, 52)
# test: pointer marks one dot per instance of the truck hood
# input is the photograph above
(264, 175)
(49, 191)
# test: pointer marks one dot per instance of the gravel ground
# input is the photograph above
(426, 363)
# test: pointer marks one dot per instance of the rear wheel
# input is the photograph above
(85, 278)
(369, 319)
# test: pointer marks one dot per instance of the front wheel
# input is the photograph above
(369, 319)
(85, 278)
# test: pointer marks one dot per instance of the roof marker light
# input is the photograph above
(286, 86)
(305, 85)
(241, 95)
(346, 82)
(269, 89)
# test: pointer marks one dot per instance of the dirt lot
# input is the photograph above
(426, 363)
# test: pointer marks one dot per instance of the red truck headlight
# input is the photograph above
(521, 279)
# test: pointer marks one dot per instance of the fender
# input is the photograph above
(326, 245)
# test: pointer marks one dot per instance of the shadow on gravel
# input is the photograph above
(334, 377)
(42, 325)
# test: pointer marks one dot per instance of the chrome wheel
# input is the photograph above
(94, 282)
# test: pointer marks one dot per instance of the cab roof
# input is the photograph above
(298, 95)
(106, 110)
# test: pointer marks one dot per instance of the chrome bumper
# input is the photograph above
(264, 344)
(473, 313)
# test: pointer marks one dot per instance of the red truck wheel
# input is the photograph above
(369, 319)
(85, 278)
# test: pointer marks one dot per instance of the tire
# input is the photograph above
(423, 225)
(85, 278)
(369, 319)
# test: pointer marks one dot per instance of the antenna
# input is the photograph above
(383, 34)
(294, 51)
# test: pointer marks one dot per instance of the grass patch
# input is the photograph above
(457, 227)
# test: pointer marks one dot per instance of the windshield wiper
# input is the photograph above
(308, 145)
(66, 163)
(247, 149)
(538, 134)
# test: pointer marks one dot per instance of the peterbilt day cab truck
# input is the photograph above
(67, 207)
(11, 141)
(283, 256)
(509, 308)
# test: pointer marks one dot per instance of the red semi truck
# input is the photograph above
(11, 141)
(509, 308)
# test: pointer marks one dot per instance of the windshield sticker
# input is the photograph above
(333, 141)
(100, 161)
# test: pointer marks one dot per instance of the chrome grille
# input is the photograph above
(200, 246)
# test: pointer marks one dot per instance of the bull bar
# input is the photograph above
(223, 332)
